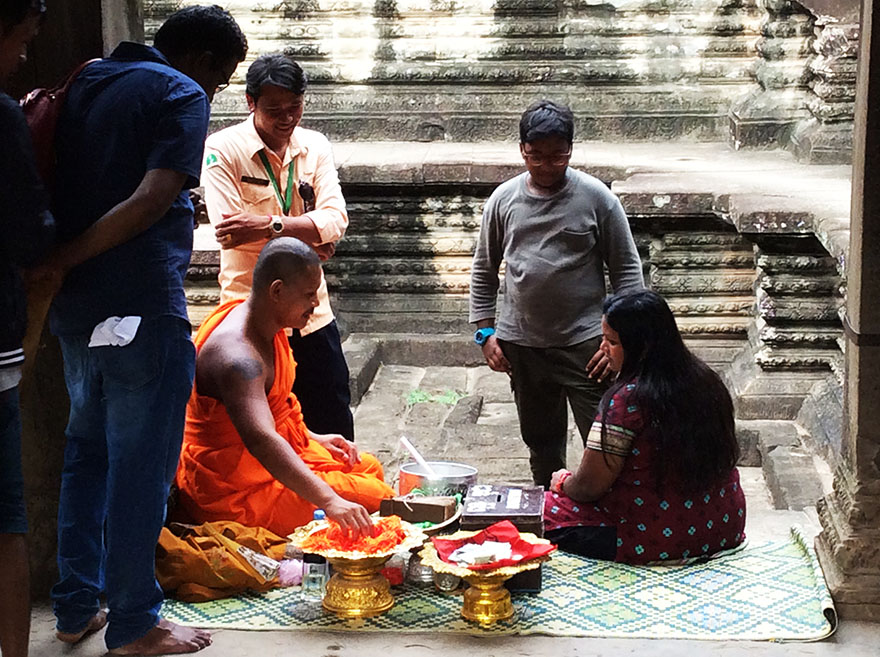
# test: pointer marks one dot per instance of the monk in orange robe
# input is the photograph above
(247, 454)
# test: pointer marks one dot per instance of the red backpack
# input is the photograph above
(42, 108)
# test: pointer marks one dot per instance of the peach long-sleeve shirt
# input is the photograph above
(236, 181)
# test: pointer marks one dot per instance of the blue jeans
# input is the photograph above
(13, 518)
(127, 409)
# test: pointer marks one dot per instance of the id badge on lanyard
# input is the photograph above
(285, 201)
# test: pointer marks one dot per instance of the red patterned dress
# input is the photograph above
(651, 525)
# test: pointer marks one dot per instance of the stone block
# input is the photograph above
(433, 317)
(662, 201)
(765, 118)
(466, 411)
(747, 437)
(492, 386)
(819, 142)
(791, 478)
(456, 350)
(772, 434)
(500, 414)
(440, 379)
(821, 416)
(426, 414)
(362, 356)
(771, 214)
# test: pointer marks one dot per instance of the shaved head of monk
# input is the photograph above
(286, 280)
(286, 259)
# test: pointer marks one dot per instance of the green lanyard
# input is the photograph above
(287, 201)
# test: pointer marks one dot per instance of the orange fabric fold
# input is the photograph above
(219, 479)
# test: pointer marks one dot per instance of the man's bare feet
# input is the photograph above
(96, 622)
(166, 638)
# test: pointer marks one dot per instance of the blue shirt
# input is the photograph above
(125, 115)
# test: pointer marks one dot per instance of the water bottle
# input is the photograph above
(316, 571)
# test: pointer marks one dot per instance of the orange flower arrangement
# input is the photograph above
(388, 534)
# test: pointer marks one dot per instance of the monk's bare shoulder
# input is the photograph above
(227, 360)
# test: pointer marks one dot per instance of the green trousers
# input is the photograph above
(542, 380)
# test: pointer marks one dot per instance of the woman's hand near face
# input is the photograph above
(599, 367)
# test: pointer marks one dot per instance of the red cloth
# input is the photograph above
(501, 532)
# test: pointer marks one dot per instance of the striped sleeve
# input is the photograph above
(11, 358)
(617, 439)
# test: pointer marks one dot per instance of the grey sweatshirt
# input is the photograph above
(554, 248)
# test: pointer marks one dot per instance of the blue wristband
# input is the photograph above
(481, 335)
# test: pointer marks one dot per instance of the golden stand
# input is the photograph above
(358, 589)
(487, 600)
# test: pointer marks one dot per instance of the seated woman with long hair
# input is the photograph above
(658, 478)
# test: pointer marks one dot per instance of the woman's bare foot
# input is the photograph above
(96, 622)
(166, 638)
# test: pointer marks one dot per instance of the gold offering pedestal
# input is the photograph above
(358, 589)
(486, 600)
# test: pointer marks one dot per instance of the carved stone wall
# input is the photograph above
(462, 70)
(767, 115)
(826, 135)
(797, 303)
(405, 262)
(759, 73)
(702, 267)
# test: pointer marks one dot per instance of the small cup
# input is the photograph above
(446, 583)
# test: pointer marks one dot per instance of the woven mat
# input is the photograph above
(771, 591)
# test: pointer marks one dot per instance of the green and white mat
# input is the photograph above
(771, 591)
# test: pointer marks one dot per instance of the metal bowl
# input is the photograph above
(451, 478)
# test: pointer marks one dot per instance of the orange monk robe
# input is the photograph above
(219, 479)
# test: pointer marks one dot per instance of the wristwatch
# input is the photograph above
(277, 226)
(481, 335)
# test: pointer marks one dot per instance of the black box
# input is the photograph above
(522, 505)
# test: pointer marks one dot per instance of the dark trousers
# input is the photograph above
(13, 516)
(321, 383)
(542, 380)
(590, 541)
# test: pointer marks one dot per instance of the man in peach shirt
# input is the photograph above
(267, 177)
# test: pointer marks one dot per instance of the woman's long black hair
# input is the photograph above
(682, 401)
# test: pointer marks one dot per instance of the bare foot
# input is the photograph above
(96, 622)
(166, 638)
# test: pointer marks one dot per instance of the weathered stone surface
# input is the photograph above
(493, 387)
(449, 70)
(821, 416)
(791, 478)
(826, 136)
(424, 350)
(747, 436)
(362, 356)
(466, 411)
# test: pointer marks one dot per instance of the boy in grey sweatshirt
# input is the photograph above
(556, 229)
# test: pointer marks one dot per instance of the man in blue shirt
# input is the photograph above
(129, 144)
